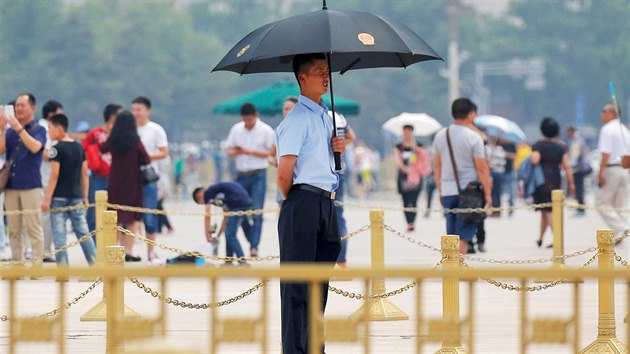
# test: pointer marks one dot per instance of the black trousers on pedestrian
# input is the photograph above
(410, 200)
(578, 180)
(308, 232)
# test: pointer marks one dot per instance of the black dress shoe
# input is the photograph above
(130, 258)
(49, 260)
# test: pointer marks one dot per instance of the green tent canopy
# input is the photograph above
(269, 100)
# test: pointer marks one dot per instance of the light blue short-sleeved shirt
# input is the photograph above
(306, 132)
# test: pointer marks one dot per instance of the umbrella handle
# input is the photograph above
(337, 156)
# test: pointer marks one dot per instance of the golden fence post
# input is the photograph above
(557, 215)
(450, 297)
(115, 295)
(100, 198)
(606, 341)
(378, 309)
(100, 206)
(106, 238)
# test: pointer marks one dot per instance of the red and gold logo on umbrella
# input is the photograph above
(242, 51)
(366, 38)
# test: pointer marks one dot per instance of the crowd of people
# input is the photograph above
(128, 155)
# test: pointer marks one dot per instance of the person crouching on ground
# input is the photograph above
(233, 197)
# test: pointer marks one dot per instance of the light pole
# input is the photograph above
(452, 10)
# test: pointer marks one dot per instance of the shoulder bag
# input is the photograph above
(472, 196)
(148, 174)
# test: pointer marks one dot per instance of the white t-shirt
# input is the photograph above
(260, 138)
(45, 167)
(467, 145)
(614, 140)
(153, 138)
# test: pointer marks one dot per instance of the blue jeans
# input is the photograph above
(150, 201)
(509, 187)
(3, 234)
(497, 188)
(231, 229)
(454, 224)
(79, 225)
(255, 185)
(97, 183)
(341, 221)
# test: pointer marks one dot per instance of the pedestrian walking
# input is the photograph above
(99, 163)
(497, 160)
(67, 187)
(413, 164)
(460, 159)
(307, 225)
(249, 144)
(125, 182)
(578, 159)
(49, 109)
(614, 184)
(155, 142)
(551, 154)
(24, 144)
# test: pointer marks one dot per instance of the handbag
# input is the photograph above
(472, 196)
(148, 174)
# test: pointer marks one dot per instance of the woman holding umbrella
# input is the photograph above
(413, 164)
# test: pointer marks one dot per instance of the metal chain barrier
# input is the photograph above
(67, 305)
(219, 258)
(545, 286)
(411, 239)
(192, 253)
(358, 296)
(51, 254)
(190, 305)
(621, 260)
(52, 210)
(191, 213)
(445, 210)
(355, 233)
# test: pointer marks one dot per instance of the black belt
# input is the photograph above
(614, 165)
(307, 187)
(252, 172)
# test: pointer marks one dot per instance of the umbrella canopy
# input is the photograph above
(354, 40)
(350, 39)
(423, 124)
(269, 99)
(500, 127)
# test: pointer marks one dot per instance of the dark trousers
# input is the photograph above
(163, 220)
(308, 232)
(410, 200)
(578, 180)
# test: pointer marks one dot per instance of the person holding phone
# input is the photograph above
(23, 143)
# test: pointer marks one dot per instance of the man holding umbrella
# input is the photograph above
(307, 226)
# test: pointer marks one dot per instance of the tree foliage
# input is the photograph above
(87, 54)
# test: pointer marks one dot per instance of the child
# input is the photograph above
(233, 197)
(67, 186)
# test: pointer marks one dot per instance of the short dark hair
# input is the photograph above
(301, 60)
(59, 120)
(461, 107)
(31, 99)
(549, 127)
(292, 99)
(142, 100)
(50, 107)
(195, 192)
(408, 126)
(110, 110)
(248, 109)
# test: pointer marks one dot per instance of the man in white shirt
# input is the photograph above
(614, 182)
(249, 144)
(155, 142)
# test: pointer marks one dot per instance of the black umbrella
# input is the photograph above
(351, 40)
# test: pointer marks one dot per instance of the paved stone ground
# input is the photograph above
(498, 313)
